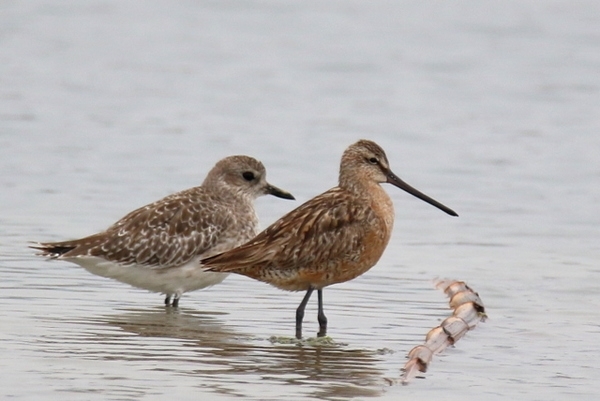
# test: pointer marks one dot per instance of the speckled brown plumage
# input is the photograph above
(332, 238)
(157, 246)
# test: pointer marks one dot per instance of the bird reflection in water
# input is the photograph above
(222, 357)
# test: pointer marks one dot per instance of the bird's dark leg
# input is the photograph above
(168, 300)
(321, 316)
(175, 303)
(300, 312)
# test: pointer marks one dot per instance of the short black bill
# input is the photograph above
(280, 193)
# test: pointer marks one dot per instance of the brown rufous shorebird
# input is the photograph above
(332, 238)
(157, 247)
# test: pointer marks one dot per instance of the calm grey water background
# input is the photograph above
(490, 107)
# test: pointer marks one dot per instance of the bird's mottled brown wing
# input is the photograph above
(165, 233)
(329, 227)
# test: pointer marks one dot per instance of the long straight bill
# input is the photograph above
(394, 180)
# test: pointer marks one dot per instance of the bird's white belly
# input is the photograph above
(171, 280)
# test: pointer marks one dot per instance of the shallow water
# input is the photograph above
(491, 108)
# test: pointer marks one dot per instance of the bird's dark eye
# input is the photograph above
(373, 160)
(248, 175)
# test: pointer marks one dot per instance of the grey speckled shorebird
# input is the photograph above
(332, 238)
(157, 247)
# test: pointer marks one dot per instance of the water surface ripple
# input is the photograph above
(489, 107)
